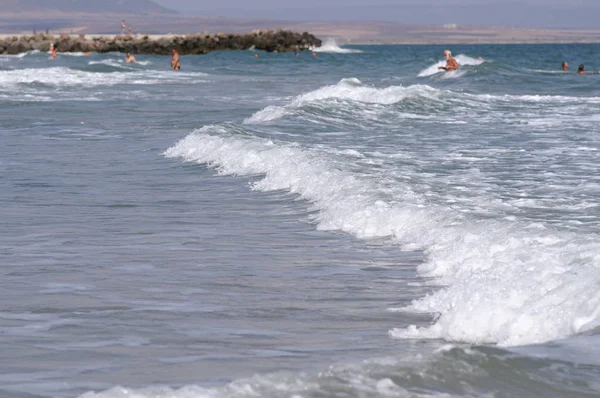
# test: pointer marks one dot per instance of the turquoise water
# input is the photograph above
(353, 224)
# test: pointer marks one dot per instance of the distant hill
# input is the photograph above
(140, 7)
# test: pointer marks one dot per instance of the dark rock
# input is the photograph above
(202, 43)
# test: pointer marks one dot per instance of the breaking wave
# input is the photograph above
(507, 282)
(331, 46)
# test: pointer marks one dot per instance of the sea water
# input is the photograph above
(350, 224)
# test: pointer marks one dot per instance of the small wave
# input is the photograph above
(111, 62)
(115, 63)
(65, 77)
(462, 60)
(119, 63)
(331, 46)
(21, 55)
(448, 372)
(347, 89)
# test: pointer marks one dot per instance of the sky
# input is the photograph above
(525, 13)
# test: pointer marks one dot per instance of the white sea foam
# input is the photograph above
(21, 55)
(119, 63)
(369, 378)
(64, 77)
(572, 110)
(506, 282)
(331, 46)
(463, 60)
(115, 63)
(347, 89)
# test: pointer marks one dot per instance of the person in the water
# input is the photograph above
(130, 58)
(564, 66)
(581, 70)
(175, 60)
(52, 51)
(451, 63)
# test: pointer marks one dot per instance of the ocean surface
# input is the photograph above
(350, 224)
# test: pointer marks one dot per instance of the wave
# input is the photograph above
(115, 63)
(503, 281)
(119, 63)
(21, 55)
(73, 54)
(350, 89)
(463, 60)
(331, 46)
(350, 101)
(66, 77)
(450, 372)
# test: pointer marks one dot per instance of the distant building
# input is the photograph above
(450, 26)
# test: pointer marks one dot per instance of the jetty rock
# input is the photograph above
(201, 43)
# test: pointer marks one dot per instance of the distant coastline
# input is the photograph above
(343, 32)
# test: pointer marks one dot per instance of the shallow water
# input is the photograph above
(350, 224)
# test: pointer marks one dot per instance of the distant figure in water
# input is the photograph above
(52, 51)
(451, 63)
(314, 54)
(255, 55)
(581, 71)
(564, 65)
(296, 53)
(130, 58)
(175, 61)
(479, 57)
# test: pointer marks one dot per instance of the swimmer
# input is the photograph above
(52, 51)
(175, 61)
(255, 55)
(130, 58)
(581, 71)
(314, 54)
(564, 65)
(479, 57)
(451, 63)
(296, 53)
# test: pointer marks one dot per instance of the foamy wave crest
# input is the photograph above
(463, 60)
(371, 378)
(347, 89)
(21, 55)
(60, 76)
(505, 282)
(331, 46)
(449, 371)
(116, 63)
(119, 63)
(64, 77)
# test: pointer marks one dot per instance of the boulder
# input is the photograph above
(202, 43)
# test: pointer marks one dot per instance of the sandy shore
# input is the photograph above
(342, 32)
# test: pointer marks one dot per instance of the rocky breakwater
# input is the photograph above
(267, 40)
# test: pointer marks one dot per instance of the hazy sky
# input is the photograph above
(527, 13)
